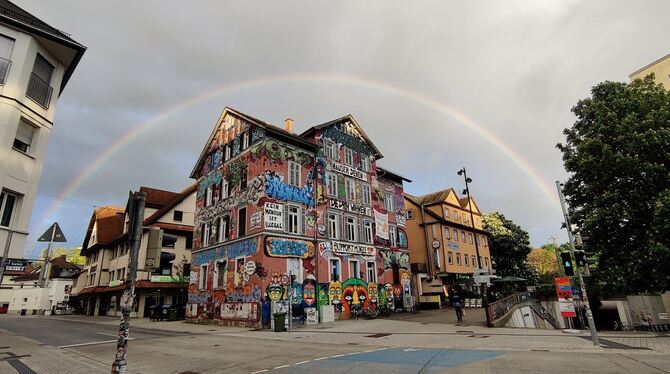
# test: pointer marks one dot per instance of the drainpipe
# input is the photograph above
(425, 234)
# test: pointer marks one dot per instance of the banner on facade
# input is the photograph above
(350, 207)
(347, 170)
(400, 220)
(273, 216)
(382, 225)
(353, 249)
(255, 221)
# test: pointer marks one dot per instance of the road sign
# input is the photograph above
(53, 232)
(564, 293)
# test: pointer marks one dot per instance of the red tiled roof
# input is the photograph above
(158, 198)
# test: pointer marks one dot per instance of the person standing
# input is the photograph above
(456, 302)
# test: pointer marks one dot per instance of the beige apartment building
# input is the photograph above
(36, 62)
(106, 246)
(660, 68)
(442, 244)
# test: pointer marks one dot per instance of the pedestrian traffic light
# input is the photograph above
(567, 264)
(156, 241)
(580, 258)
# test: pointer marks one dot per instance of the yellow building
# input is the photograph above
(660, 68)
(442, 246)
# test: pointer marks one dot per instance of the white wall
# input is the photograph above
(31, 297)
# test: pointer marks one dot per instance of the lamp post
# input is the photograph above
(474, 232)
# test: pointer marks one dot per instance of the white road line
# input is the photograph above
(281, 367)
(104, 333)
(372, 350)
(381, 349)
(260, 371)
(301, 362)
(90, 343)
(320, 358)
(351, 353)
(336, 356)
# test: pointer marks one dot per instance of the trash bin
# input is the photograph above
(280, 322)
(173, 314)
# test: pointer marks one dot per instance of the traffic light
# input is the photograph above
(157, 240)
(567, 264)
(580, 258)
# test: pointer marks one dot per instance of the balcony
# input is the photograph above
(39, 91)
(4, 69)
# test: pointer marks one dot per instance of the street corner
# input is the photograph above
(390, 360)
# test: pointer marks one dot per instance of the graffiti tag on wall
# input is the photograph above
(284, 247)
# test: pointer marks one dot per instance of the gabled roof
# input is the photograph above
(636, 72)
(176, 199)
(15, 16)
(385, 173)
(270, 129)
(157, 198)
(109, 221)
(57, 264)
(344, 119)
(440, 197)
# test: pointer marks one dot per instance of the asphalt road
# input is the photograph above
(64, 334)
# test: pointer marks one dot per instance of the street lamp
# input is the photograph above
(466, 191)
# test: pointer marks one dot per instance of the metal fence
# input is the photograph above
(39, 90)
(498, 309)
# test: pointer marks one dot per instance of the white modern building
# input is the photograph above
(36, 62)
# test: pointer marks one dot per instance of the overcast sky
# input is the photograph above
(436, 85)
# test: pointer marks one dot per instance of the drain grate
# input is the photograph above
(380, 335)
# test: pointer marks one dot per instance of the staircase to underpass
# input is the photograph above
(520, 310)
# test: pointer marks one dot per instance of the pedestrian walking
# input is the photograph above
(456, 302)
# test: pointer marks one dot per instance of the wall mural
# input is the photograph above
(275, 187)
(279, 153)
(309, 291)
(391, 257)
(285, 247)
(335, 134)
(354, 293)
(214, 178)
(246, 247)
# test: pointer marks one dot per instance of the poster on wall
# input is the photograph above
(255, 221)
(382, 225)
(273, 215)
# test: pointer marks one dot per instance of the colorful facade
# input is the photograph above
(272, 203)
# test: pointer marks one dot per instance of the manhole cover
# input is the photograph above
(380, 335)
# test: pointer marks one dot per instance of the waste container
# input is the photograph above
(280, 322)
(172, 314)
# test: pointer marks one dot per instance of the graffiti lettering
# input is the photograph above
(281, 247)
(276, 187)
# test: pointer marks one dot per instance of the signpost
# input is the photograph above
(53, 234)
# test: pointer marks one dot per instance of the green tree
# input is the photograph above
(509, 245)
(618, 155)
(71, 254)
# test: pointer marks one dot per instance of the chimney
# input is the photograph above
(288, 125)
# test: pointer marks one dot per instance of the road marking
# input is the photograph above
(281, 367)
(260, 371)
(372, 350)
(380, 349)
(301, 362)
(90, 343)
(320, 358)
(104, 333)
(336, 356)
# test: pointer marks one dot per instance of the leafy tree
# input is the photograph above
(71, 254)
(544, 261)
(509, 246)
(619, 190)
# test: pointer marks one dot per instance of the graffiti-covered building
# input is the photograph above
(272, 203)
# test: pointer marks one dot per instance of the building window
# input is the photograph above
(470, 238)
(239, 272)
(6, 47)
(455, 235)
(221, 274)
(332, 184)
(479, 265)
(463, 236)
(348, 156)
(8, 201)
(350, 189)
(486, 261)
(227, 157)
(393, 235)
(294, 224)
(455, 215)
(389, 202)
(225, 188)
(333, 225)
(241, 222)
(331, 150)
(245, 140)
(354, 269)
(465, 219)
(294, 173)
(365, 163)
(410, 214)
(436, 258)
(485, 241)
(477, 239)
(467, 260)
(334, 274)
(350, 224)
(208, 198)
(39, 89)
(243, 178)
(367, 231)
(25, 134)
(224, 224)
(205, 234)
(458, 259)
(450, 258)
(203, 277)
(177, 215)
(446, 212)
(372, 271)
(365, 191)
(474, 262)
(447, 233)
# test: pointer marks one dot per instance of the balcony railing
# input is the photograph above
(500, 308)
(4, 69)
(39, 91)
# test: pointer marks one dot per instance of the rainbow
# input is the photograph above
(546, 187)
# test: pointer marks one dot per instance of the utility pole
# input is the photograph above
(585, 299)
(135, 210)
(558, 258)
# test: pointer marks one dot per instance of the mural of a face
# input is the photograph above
(389, 294)
(354, 292)
(275, 291)
(335, 292)
(373, 293)
(309, 291)
(405, 282)
(322, 298)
